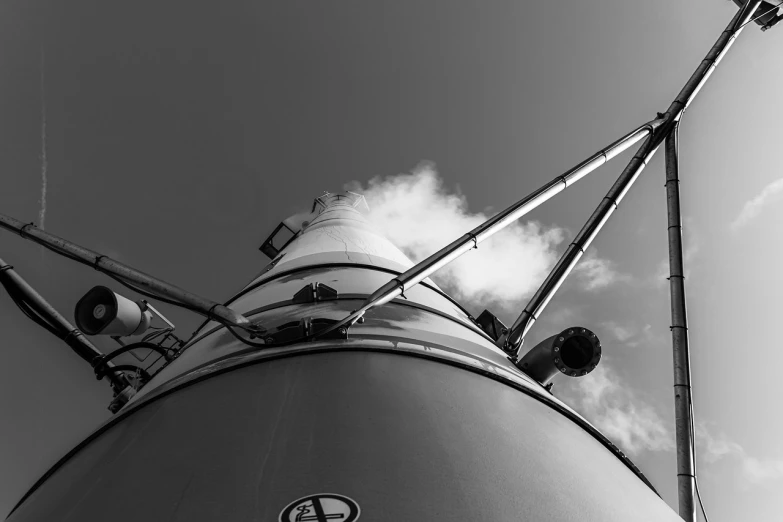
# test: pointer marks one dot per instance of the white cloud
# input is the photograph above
(419, 215)
(714, 446)
(619, 332)
(628, 336)
(753, 208)
(613, 407)
(595, 273)
(762, 471)
(635, 426)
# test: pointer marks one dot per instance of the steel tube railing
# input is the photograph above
(146, 282)
(512, 341)
(470, 240)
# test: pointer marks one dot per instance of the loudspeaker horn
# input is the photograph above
(103, 312)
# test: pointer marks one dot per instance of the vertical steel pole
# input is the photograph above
(512, 340)
(686, 476)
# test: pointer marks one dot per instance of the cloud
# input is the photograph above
(618, 332)
(635, 426)
(419, 215)
(762, 471)
(714, 446)
(595, 273)
(753, 208)
(613, 407)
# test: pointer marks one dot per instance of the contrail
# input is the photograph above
(42, 213)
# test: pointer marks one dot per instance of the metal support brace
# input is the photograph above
(419, 272)
(512, 342)
(146, 282)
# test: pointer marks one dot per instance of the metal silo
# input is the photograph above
(342, 384)
(412, 414)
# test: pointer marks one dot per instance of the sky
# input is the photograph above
(175, 136)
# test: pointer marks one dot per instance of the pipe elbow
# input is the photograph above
(574, 352)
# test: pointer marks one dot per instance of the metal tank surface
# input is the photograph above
(412, 413)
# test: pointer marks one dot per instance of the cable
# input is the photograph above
(123, 367)
(301, 339)
(130, 286)
(156, 297)
(28, 310)
(693, 450)
(154, 335)
(152, 295)
(128, 347)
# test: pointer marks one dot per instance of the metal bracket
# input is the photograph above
(493, 326)
(313, 293)
(304, 328)
(280, 237)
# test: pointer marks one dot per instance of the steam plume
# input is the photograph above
(420, 216)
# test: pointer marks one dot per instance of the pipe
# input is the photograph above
(449, 253)
(574, 352)
(108, 265)
(686, 472)
(67, 332)
(711, 61)
(512, 341)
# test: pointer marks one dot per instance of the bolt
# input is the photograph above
(570, 332)
(557, 360)
(343, 331)
(269, 340)
(557, 348)
(561, 339)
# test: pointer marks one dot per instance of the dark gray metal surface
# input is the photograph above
(406, 438)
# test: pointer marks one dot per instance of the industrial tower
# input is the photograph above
(341, 383)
